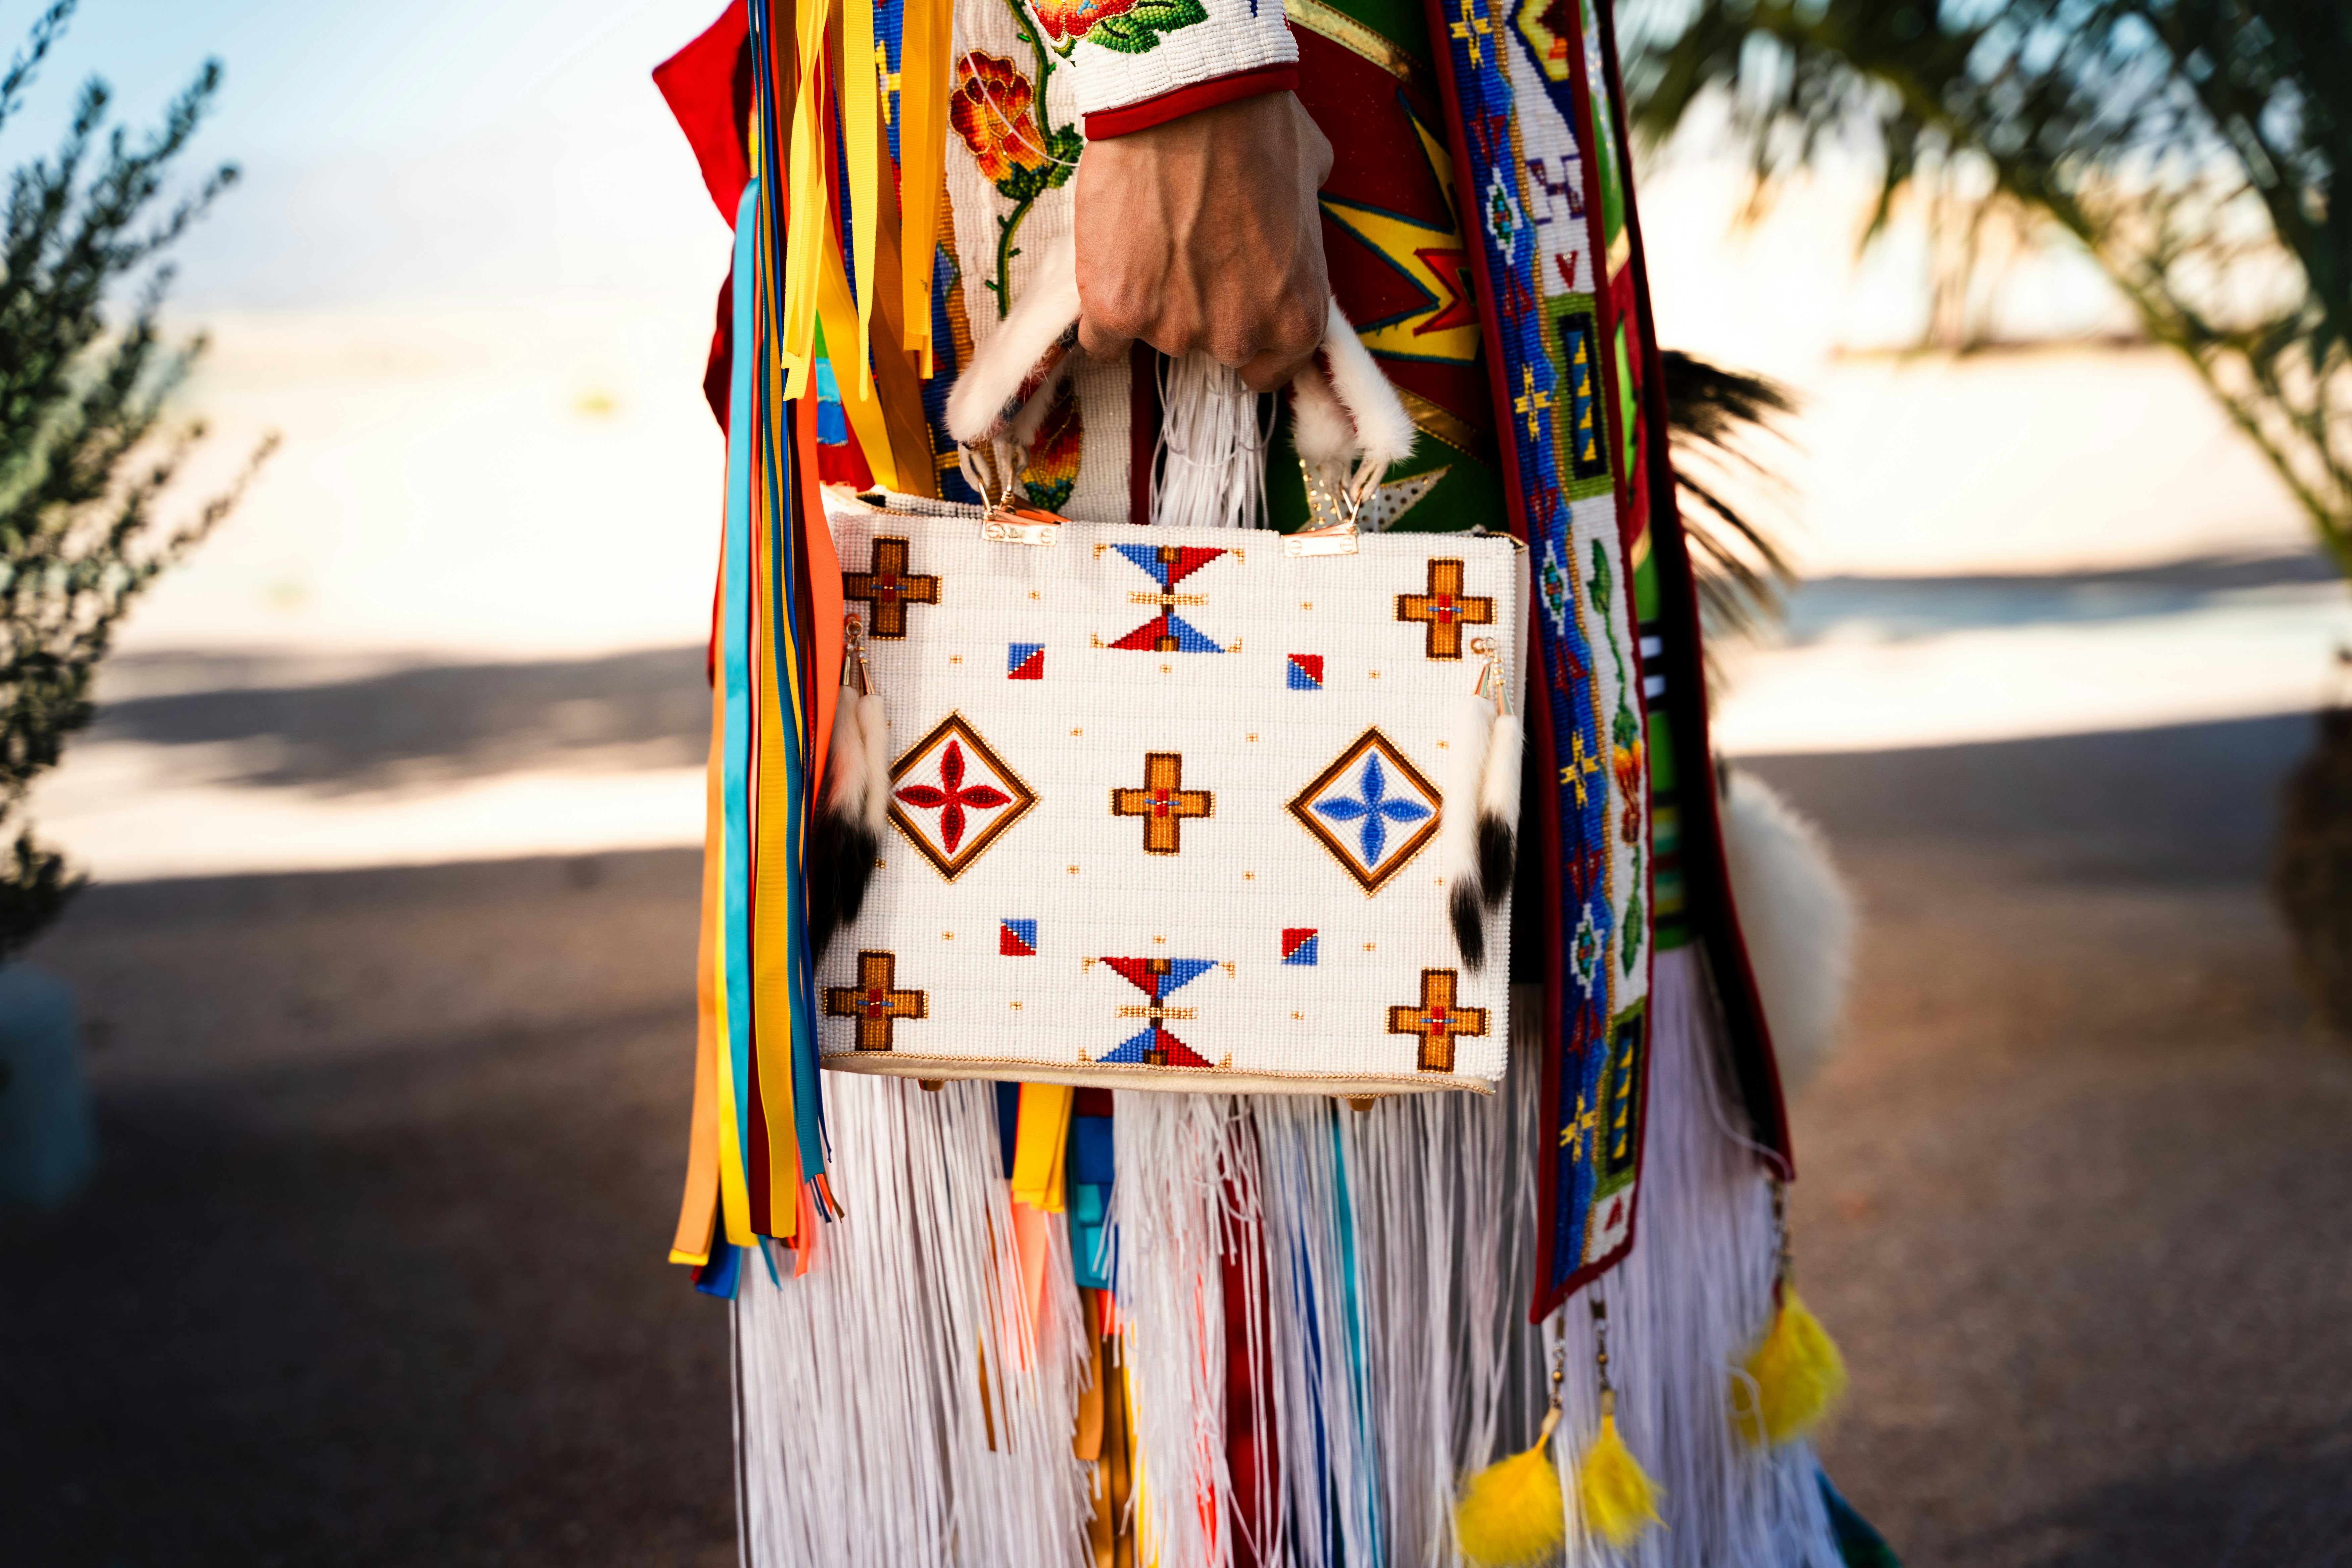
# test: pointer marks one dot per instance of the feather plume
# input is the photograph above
(1513, 1512)
(1797, 1370)
(1457, 832)
(1796, 919)
(1616, 1498)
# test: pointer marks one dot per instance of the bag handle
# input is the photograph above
(1347, 420)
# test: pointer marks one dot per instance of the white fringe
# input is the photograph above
(1398, 1256)
(1427, 1186)
(1212, 447)
(1322, 1394)
(1399, 1244)
(1684, 1308)
(868, 1440)
(1187, 1198)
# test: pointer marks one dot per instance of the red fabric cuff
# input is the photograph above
(1129, 118)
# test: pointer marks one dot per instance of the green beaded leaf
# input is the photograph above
(1137, 31)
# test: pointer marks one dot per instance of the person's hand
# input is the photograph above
(1204, 233)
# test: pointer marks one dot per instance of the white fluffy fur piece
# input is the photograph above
(1000, 365)
(1319, 426)
(1797, 917)
(1384, 431)
(846, 759)
(874, 739)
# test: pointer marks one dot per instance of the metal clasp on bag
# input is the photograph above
(1023, 527)
(1491, 683)
(1005, 519)
(1332, 512)
(1339, 538)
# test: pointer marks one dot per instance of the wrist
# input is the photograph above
(1194, 98)
(1166, 58)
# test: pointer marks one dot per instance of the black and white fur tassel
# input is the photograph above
(857, 807)
(1498, 799)
(1478, 838)
(1457, 840)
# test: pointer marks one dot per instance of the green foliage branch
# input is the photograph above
(87, 446)
(2190, 147)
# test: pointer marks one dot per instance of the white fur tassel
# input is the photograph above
(847, 760)
(1383, 429)
(993, 389)
(1499, 810)
(1458, 826)
(846, 838)
(1319, 426)
(874, 739)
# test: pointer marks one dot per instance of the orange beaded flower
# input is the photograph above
(991, 111)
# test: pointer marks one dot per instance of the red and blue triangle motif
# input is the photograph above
(1168, 632)
(1158, 979)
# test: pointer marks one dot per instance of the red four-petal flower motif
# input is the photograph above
(950, 802)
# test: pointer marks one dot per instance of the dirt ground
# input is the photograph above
(371, 1270)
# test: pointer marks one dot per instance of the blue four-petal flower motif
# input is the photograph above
(1374, 806)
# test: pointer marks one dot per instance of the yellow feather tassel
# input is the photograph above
(1617, 1498)
(1798, 1371)
(1512, 1511)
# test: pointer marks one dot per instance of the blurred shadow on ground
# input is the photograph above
(2073, 1197)
(373, 1270)
(371, 1273)
(338, 726)
(2290, 1503)
(648, 710)
(2187, 803)
(1898, 608)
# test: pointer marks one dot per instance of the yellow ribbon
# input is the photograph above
(923, 61)
(863, 151)
(1041, 1143)
(806, 185)
(839, 324)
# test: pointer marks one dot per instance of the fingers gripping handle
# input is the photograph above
(1351, 424)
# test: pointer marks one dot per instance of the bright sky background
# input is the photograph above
(469, 277)
(418, 150)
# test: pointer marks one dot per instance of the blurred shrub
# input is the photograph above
(2190, 147)
(85, 449)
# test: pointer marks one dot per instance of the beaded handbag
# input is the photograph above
(1172, 808)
